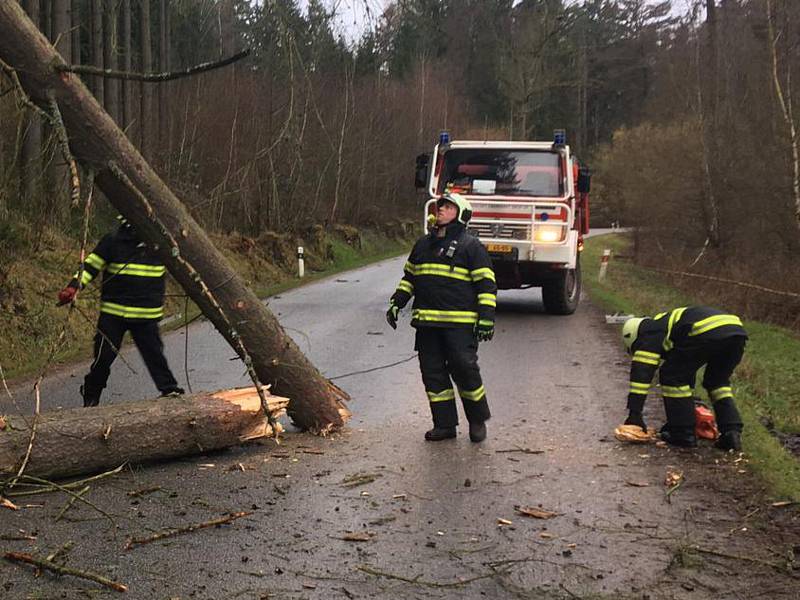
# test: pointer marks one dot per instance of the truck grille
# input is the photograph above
(511, 231)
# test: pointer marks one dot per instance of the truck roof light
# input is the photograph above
(560, 137)
(444, 138)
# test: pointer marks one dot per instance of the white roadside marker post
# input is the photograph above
(604, 264)
(301, 263)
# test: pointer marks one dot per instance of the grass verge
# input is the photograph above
(767, 381)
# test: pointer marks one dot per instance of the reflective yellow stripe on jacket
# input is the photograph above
(674, 317)
(438, 270)
(405, 286)
(136, 270)
(96, 261)
(647, 358)
(487, 299)
(444, 316)
(713, 322)
(483, 273)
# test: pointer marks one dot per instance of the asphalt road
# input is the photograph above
(429, 513)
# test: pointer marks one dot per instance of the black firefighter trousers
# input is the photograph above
(445, 353)
(108, 339)
(677, 376)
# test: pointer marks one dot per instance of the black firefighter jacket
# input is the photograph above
(451, 280)
(686, 328)
(133, 276)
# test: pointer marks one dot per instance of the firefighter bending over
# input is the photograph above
(676, 344)
(450, 275)
(131, 299)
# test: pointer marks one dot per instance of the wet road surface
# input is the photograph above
(435, 520)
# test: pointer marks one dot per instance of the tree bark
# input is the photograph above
(98, 85)
(163, 62)
(59, 171)
(161, 219)
(227, 43)
(62, 28)
(127, 65)
(146, 104)
(80, 441)
(75, 19)
(31, 171)
(110, 54)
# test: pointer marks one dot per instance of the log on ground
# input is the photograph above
(88, 440)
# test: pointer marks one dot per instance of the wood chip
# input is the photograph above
(8, 504)
(357, 536)
(634, 434)
(673, 478)
(504, 522)
(2, 423)
(359, 479)
(546, 536)
(536, 513)
(637, 483)
(782, 504)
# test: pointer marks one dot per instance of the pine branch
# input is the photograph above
(152, 77)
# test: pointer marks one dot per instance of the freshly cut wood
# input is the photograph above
(87, 440)
(161, 219)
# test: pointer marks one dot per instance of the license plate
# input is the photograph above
(499, 248)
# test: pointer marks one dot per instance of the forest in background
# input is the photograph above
(685, 113)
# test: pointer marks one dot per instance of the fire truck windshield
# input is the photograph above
(493, 171)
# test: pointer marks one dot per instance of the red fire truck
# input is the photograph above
(530, 204)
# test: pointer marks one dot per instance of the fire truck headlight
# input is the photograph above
(548, 233)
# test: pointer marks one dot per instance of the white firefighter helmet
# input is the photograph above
(463, 205)
(630, 331)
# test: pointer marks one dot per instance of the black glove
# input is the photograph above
(635, 418)
(484, 330)
(391, 315)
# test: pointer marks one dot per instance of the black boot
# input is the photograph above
(440, 433)
(680, 437)
(172, 392)
(679, 429)
(90, 398)
(730, 425)
(477, 431)
(730, 440)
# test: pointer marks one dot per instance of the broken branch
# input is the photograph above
(181, 530)
(42, 563)
(70, 502)
(152, 77)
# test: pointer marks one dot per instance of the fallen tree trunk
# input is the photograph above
(80, 440)
(134, 188)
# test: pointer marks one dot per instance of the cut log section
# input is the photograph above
(87, 440)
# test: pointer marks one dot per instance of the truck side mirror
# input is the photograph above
(584, 180)
(421, 174)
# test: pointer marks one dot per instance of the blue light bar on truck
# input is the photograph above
(444, 138)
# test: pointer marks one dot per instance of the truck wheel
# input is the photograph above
(561, 295)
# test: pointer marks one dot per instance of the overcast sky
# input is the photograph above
(357, 15)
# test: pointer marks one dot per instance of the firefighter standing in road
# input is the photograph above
(685, 339)
(450, 276)
(132, 299)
